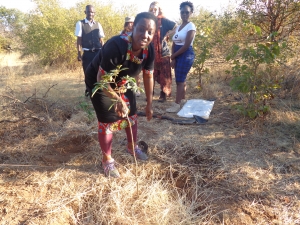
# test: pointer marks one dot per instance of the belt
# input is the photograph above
(92, 50)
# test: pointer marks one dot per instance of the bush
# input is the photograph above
(49, 31)
(11, 21)
(255, 72)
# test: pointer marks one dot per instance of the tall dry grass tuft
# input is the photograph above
(291, 83)
(117, 202)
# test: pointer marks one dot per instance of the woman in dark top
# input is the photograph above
(137, 54)
(162, 66)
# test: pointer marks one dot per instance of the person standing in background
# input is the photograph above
(90, 36)
(182, 53)
(128, 26)
(162, 66)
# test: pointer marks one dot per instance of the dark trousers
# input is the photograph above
(87, 58)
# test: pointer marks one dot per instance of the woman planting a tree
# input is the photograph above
(117, 102)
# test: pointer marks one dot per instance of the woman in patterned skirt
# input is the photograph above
(162, 66)
(135, 53)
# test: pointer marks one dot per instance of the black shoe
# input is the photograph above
(162, 97)
(162, 100)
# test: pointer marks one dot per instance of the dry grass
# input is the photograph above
(228, 171)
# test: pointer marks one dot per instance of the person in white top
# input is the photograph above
(182, 53)
(90, 36)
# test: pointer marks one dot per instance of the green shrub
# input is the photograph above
(49, 31)
(255, 72)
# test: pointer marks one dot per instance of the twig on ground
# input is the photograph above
(15, 121)
(133, 150)
(15, 99)
(29, 98)
(45, 95)
(21, 165)
(215, 144)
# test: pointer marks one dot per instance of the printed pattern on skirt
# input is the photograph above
(108, 128)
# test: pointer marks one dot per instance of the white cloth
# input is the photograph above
(180, 36)
(196, 107)
(78, 30)
(128, 33)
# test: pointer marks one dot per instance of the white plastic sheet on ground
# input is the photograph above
(197, 107)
